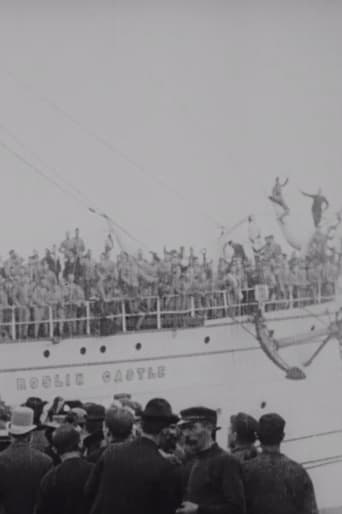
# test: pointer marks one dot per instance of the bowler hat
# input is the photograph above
(95, 412)
(160, 410)
(193, 414)
(21, 421)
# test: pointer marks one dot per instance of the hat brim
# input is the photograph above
(167, 419)
(19, 430)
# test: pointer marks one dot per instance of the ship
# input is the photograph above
(258, 356)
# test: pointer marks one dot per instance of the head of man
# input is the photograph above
(169, 438)
(118, 424)
(95, 417)
(157, 416)
(66, 439)
(198, 425)
(242, 430)
(271, 431)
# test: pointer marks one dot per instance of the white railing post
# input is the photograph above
(13, 323)
(225, 302)
(319, 292)
(123, 311)
(192, 306)
(50, 322)
(87, 305)
(158, 314)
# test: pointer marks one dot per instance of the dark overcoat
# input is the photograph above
(134, 478)
(21, 470)
(215, 483)
(276, 484)
(62, 488)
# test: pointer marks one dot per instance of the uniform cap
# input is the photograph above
(193, 414)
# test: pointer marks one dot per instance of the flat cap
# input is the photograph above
(193, 414)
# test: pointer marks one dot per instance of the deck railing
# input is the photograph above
(120, 315)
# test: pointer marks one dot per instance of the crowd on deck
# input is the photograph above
(67, 276)
(80, 458)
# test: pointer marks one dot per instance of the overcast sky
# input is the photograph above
(214, 99)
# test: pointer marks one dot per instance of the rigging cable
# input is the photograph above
(108, 144)
(62, 189)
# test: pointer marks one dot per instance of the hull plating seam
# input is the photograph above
(124, 361)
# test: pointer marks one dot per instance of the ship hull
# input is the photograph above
(221, 365)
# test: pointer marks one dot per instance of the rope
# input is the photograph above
(311, 436)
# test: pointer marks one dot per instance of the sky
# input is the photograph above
(172, 117)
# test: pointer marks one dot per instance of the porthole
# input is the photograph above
(46, 353)
(83, 350)
(103, 349)
(138, 346)
(207, 339)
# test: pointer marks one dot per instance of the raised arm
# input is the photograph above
(285, 182)
(307, 194)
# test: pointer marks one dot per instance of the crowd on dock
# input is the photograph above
(58, 285)
(80, 458)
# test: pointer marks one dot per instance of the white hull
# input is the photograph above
(230, 372)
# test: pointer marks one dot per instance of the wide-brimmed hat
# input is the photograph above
(21, 421)
(160, 410)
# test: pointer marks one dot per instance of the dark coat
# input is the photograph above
(243, 453)
(21, 470)
(94, 446)
(215, 483)
(133, 478)
(62, 488)
(275, 484)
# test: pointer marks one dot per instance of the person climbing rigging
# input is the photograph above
(317, 206)
(277, 197)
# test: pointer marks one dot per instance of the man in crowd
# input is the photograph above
(275, 484)
(61, 489)
(242, 436)
(133, 477)
(21, 466)
(215, 482)
(118, 425)
(94, 443)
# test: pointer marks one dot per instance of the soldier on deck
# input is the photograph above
(319, 202)
(5, 311)
(74, 304)
(56, 303)
(278, 198)
(40, 308)
(22, 299)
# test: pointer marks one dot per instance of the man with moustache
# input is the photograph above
(214, 484)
